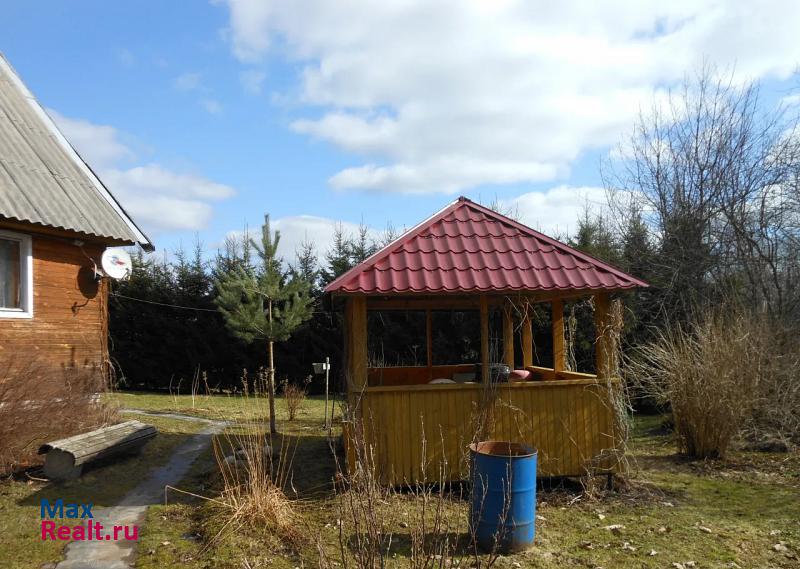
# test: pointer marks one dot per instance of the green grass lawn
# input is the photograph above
(674, 511)
(310, 417)
(103, 485)
(714, 514)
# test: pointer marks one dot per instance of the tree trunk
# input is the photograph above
(271, 391)
(271, 377)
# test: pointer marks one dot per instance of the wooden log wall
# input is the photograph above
(69, 329)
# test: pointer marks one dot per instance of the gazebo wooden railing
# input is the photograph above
(420, 432)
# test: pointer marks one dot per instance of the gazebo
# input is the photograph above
(417, 413)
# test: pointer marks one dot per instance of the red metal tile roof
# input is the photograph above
(467, 248)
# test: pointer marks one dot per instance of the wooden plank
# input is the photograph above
(478, 387)
(527, 341)
(508, 337)
(566, 420)
(558, 335)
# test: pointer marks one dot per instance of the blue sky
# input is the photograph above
(200, 116)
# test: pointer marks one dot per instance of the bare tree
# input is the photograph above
(715, 175)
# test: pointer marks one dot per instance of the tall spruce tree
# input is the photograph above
(264, 303)
(339, 257)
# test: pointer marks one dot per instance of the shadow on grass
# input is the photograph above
(313, 465)
(105, 482)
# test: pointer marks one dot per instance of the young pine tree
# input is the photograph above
(264, 303)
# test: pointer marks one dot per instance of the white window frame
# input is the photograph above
(25, 276)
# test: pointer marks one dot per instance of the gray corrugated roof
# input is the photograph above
(43, 180)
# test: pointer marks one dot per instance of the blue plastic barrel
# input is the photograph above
(503, 503)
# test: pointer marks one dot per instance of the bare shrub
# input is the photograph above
(366, 521)
(370, 515)
(294, 396)
(716, 375)
(776, 409)
(39, 404)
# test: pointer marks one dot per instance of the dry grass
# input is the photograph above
(729, 370)
(420, 526)
(255, 472)
(39, 405)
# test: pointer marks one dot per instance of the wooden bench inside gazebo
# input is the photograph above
(417, 420)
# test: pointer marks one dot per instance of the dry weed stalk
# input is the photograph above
(369, 513)
(571, 332)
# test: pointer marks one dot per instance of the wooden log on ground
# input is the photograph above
(66, 457)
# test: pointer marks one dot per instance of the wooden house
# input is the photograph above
(56, 219)
(412, 415)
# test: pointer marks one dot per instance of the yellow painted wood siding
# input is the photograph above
(422, 433)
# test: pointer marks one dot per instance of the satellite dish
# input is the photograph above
(116, 263)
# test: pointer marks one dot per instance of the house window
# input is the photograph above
(16, 276)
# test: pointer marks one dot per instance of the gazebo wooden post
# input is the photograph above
(429, 341)
(355, 322)
(508, 336)
(527, 339)
(603, 349)
(558, 335)
(484, 304)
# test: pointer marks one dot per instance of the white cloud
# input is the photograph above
(156, 197)
(251, 80)
(555, 212)
(295, 230)
(188, 81)
(446, 95)
(211, 106)
(98, 144)
(791, 100)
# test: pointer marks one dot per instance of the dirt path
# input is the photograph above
(131, 510)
